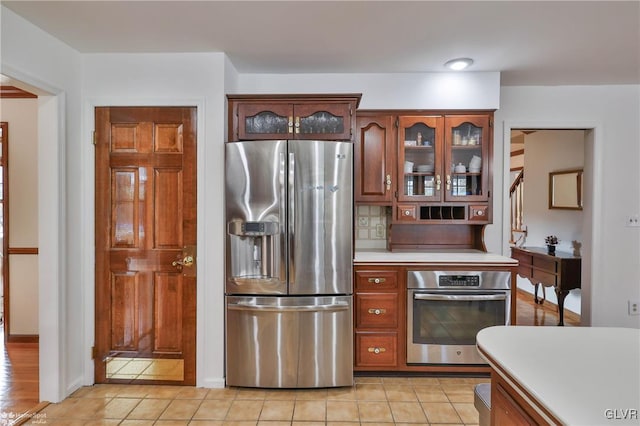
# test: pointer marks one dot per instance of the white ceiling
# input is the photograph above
(530, 43)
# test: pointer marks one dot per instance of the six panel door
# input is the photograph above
(145, 245)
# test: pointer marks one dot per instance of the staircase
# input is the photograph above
(516, 196)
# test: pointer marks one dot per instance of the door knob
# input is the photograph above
(187, 261)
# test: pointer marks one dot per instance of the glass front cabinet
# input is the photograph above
(443, 167)
(255, 117)
(420, 156)
(466, 149)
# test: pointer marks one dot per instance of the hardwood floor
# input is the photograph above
(19, 374)
(530, 313)
(18, 378)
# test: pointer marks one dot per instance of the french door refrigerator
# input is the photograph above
(288, 274)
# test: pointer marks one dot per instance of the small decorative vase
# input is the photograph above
(551, 249)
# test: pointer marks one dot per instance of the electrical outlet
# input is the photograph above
(380, 230)
(633, 221)
(634, 307)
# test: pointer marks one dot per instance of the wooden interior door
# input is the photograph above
(145, 232)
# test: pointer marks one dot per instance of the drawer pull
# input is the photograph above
(376, 350)
(377, 311)
(377, 280)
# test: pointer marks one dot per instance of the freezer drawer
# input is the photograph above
(289, 342)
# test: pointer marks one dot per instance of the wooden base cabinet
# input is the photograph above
(377, 318)
(509, 408)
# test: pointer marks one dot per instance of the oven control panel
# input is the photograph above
(459, 281)
(452, 279)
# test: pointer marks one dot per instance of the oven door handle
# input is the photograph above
(456, 297)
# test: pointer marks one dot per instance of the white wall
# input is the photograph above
(34, 57)
(22, 118)
(547, 151)
(469, 90)
(613, 154)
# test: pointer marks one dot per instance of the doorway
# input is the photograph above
(145, 245)
(535, 155)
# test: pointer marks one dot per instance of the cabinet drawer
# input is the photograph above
(546, 264)
(524, 271)
(376, 280)
(407, 213)
(544, 277)
(523, 258)
(376, 310)
(479, 213)
(376, 349)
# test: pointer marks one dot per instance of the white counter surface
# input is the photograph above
(435, 257)
(582, 375)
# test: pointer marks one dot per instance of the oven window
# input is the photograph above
(454, 322)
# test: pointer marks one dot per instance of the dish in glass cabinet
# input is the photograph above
(410, 143)
(425, 168)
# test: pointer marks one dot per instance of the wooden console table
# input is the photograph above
(561, 271)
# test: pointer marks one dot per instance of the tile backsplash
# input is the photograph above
(371, 226)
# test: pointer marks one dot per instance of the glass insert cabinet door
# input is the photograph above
(466, 152)
(420, 158)
(294, 121)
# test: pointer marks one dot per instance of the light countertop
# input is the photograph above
(434, 257)
(581, 375)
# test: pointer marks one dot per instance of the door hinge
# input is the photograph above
(94, 352)
(93, 136)
(491, 122)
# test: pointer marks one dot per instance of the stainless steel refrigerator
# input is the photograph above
(289, 251)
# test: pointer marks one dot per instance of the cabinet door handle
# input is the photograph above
(388, 182)
(376, 350)
(448, 183)
(297, 125)
(438, 182)
(377, 280)
(377, 311)
(290, 124)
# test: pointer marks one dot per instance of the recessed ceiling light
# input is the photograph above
(459, 64)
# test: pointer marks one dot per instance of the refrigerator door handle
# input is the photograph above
(291, 217)
(282, 213)
(341, 306)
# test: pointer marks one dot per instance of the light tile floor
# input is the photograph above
(372, 401)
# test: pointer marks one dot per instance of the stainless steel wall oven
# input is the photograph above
(446, 309)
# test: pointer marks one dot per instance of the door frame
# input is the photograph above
(88, 221)
(592, 212)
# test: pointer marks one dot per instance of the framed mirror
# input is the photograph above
(565, 189)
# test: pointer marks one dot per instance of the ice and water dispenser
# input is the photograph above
(255, 251)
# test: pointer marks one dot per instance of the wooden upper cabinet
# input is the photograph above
(374, 159)
(467, 157)
(323, 117)
(420, 158)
